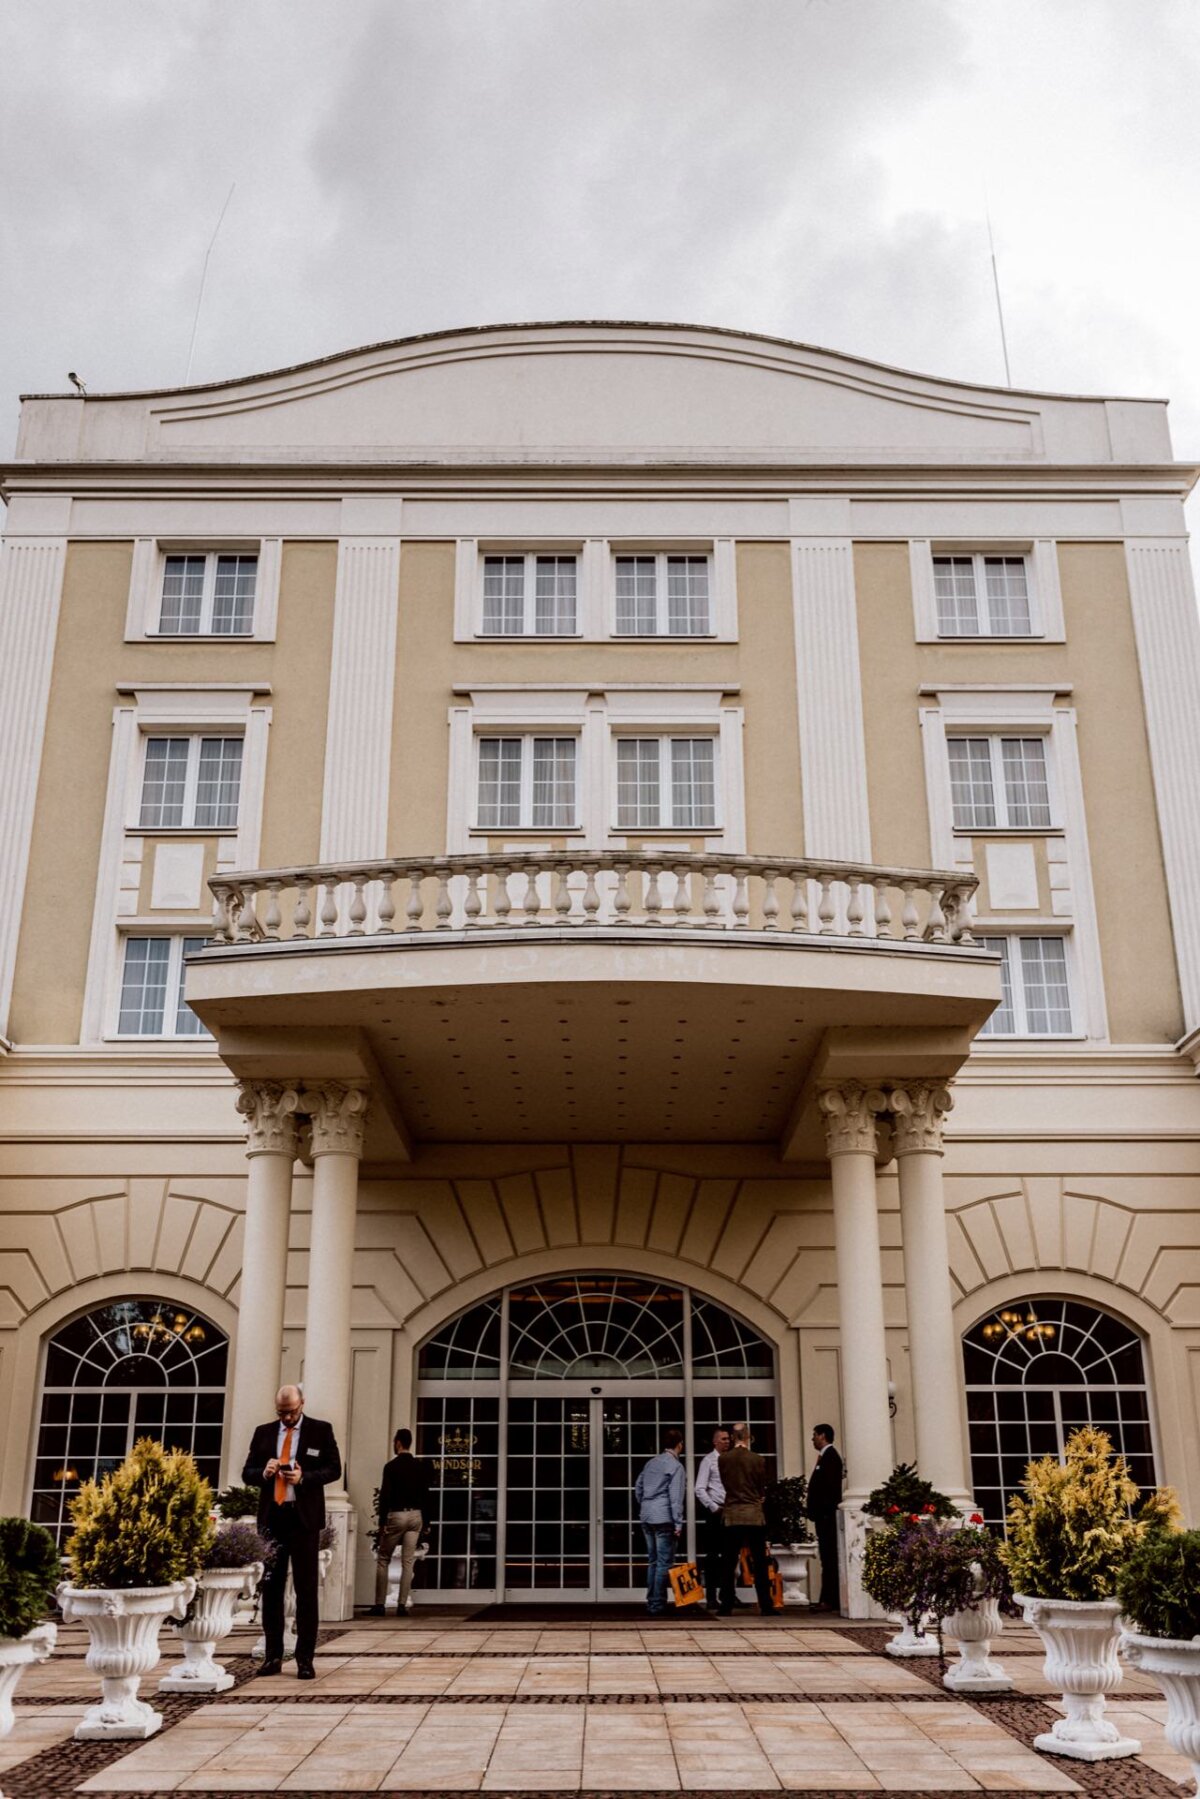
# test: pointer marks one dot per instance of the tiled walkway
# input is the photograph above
(438, 1704)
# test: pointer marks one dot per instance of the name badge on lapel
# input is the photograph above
(313, 1452)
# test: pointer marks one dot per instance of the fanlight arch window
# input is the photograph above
(1036, 1369)
(145, 1367)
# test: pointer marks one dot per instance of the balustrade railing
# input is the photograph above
(592, 889)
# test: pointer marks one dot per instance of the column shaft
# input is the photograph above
(271, 1150)
(337, 1116)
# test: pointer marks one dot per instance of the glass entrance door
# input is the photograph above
(628, 1432)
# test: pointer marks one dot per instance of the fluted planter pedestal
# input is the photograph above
(909, 1642)
(123, 1625)
(1080, 1638)
(794, 1561)
(974, 1632)
(218, 1591)
(1176, 1668)
(16, 1653)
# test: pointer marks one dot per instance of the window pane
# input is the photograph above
(499, 782)
(1003, 1021)
(186, 1022)
(1044, 979)
(636, 586)
(1026, 793)
(219, 783)
(693, 791)
(233, 595)
(638, 799)
(163, 782)
(971, 782)
(554, 782)
(954, 586)
(687, 595)
(504, 595)
(554, 595)
(1007, 596)
(144, 986)
(182, 595)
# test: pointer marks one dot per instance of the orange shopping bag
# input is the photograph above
(685, 1584)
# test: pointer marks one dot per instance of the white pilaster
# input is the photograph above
(1163, 600)
(833, 756)
(358, 740)
(31, 578)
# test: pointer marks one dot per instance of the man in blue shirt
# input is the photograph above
(659, 1493)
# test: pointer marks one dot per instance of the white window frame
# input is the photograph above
(988, 937)
(212, 560)
(191, 781)
(530, 558)
(148, 571)
(995, 739)
(978, 560)
(662, 628)
(1041, 579)
(174, 989)
(526, 738)
(665, 826)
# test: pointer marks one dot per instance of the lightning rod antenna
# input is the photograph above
(987, 213)
(203, 278)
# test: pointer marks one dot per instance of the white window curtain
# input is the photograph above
(182, 596)
(982, 596)
(637, 596)
(553, 783)
(164, 783)
(693, 788)
(500, 783)
(1026, 792)
(1007, 586)
(526, 781)
(687, 596)
(666, 783)
(233, 595)
(555, 596)
(504, 595)
(639, 804)
(971, 783)
(208, 596)
(1036, 990)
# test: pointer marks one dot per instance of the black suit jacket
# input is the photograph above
(825, 1485)
(320, 1463)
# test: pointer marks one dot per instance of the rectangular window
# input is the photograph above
(666, 783)
(208, 595)
(526, 782)
(982, 596)
(191, 783)
(529, 596)
(999, 782)
(1037, 994)
(152, 1002)
(663, 595)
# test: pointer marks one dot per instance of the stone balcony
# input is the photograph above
(593, 995)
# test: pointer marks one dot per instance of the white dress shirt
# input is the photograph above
(289, 1497)
(709, 1490)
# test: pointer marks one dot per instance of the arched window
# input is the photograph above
(1038, 1368)
(134, 1368)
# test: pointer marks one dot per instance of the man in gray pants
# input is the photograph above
(403, 1515)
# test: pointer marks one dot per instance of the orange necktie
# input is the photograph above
(281, 1486)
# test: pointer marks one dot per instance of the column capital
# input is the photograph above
(269, 1108)
(918, 1109)
(850, 1113)
(337, 1117)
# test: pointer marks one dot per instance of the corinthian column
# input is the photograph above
(269, 1109)
(337, 1116)
(918, 1108)
(850, 1133)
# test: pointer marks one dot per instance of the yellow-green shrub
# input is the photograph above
(145, 1525)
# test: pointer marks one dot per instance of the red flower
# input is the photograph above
(914, 1517)
(976, 1517)
(892, 1510)
(931, 1508)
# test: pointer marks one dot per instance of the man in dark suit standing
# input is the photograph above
(821, 1503)
(292, 1462)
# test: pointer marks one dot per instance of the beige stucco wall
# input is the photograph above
(299, 664)
(767, 669)
(425, 662)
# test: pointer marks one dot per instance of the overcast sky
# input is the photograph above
(811, 168)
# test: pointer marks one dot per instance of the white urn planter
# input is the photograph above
(794, 1561)
(16, 1653)
(1080, 1638)
(1176, 1668)
(208, 1623)
(324, 1558)
(911, 1642)
(975, 1631)
(123, 1625)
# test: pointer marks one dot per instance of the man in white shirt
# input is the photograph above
(710, 1495)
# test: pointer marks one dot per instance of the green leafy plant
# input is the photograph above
(888, 1570)
(29, 1573)
(904, 1492)
(787, 1521)
(1159, 1585)
(239, 1502)
(1073, 1525)
(144, 1525)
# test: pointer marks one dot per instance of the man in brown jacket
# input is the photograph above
(744, 1478)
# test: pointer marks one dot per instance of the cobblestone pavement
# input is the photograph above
(438, 1703)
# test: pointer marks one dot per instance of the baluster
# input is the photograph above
(358, 906)
(533, 904)
(909, 917)
(271, 916)
(621, 899)
(935, 924)
(711, 901)
(962, 916)
(683, 895)
(223, 926)
(652, 898)
(302, 916)
(883, 909)
(329, 911)
(741, 900)
(562, 893)
(591, 897)
(415, 909)
(503, 905)
(799, 881)
(855, 911)
(387, 906)
(473, 904)
(244, 919)
(770, 902)
(444, 905)
(826, 909)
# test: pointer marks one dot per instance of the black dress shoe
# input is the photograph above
(375, 1611)
(305, 1671)
(275, 1666)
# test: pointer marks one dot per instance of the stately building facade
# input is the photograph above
(560, 880)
